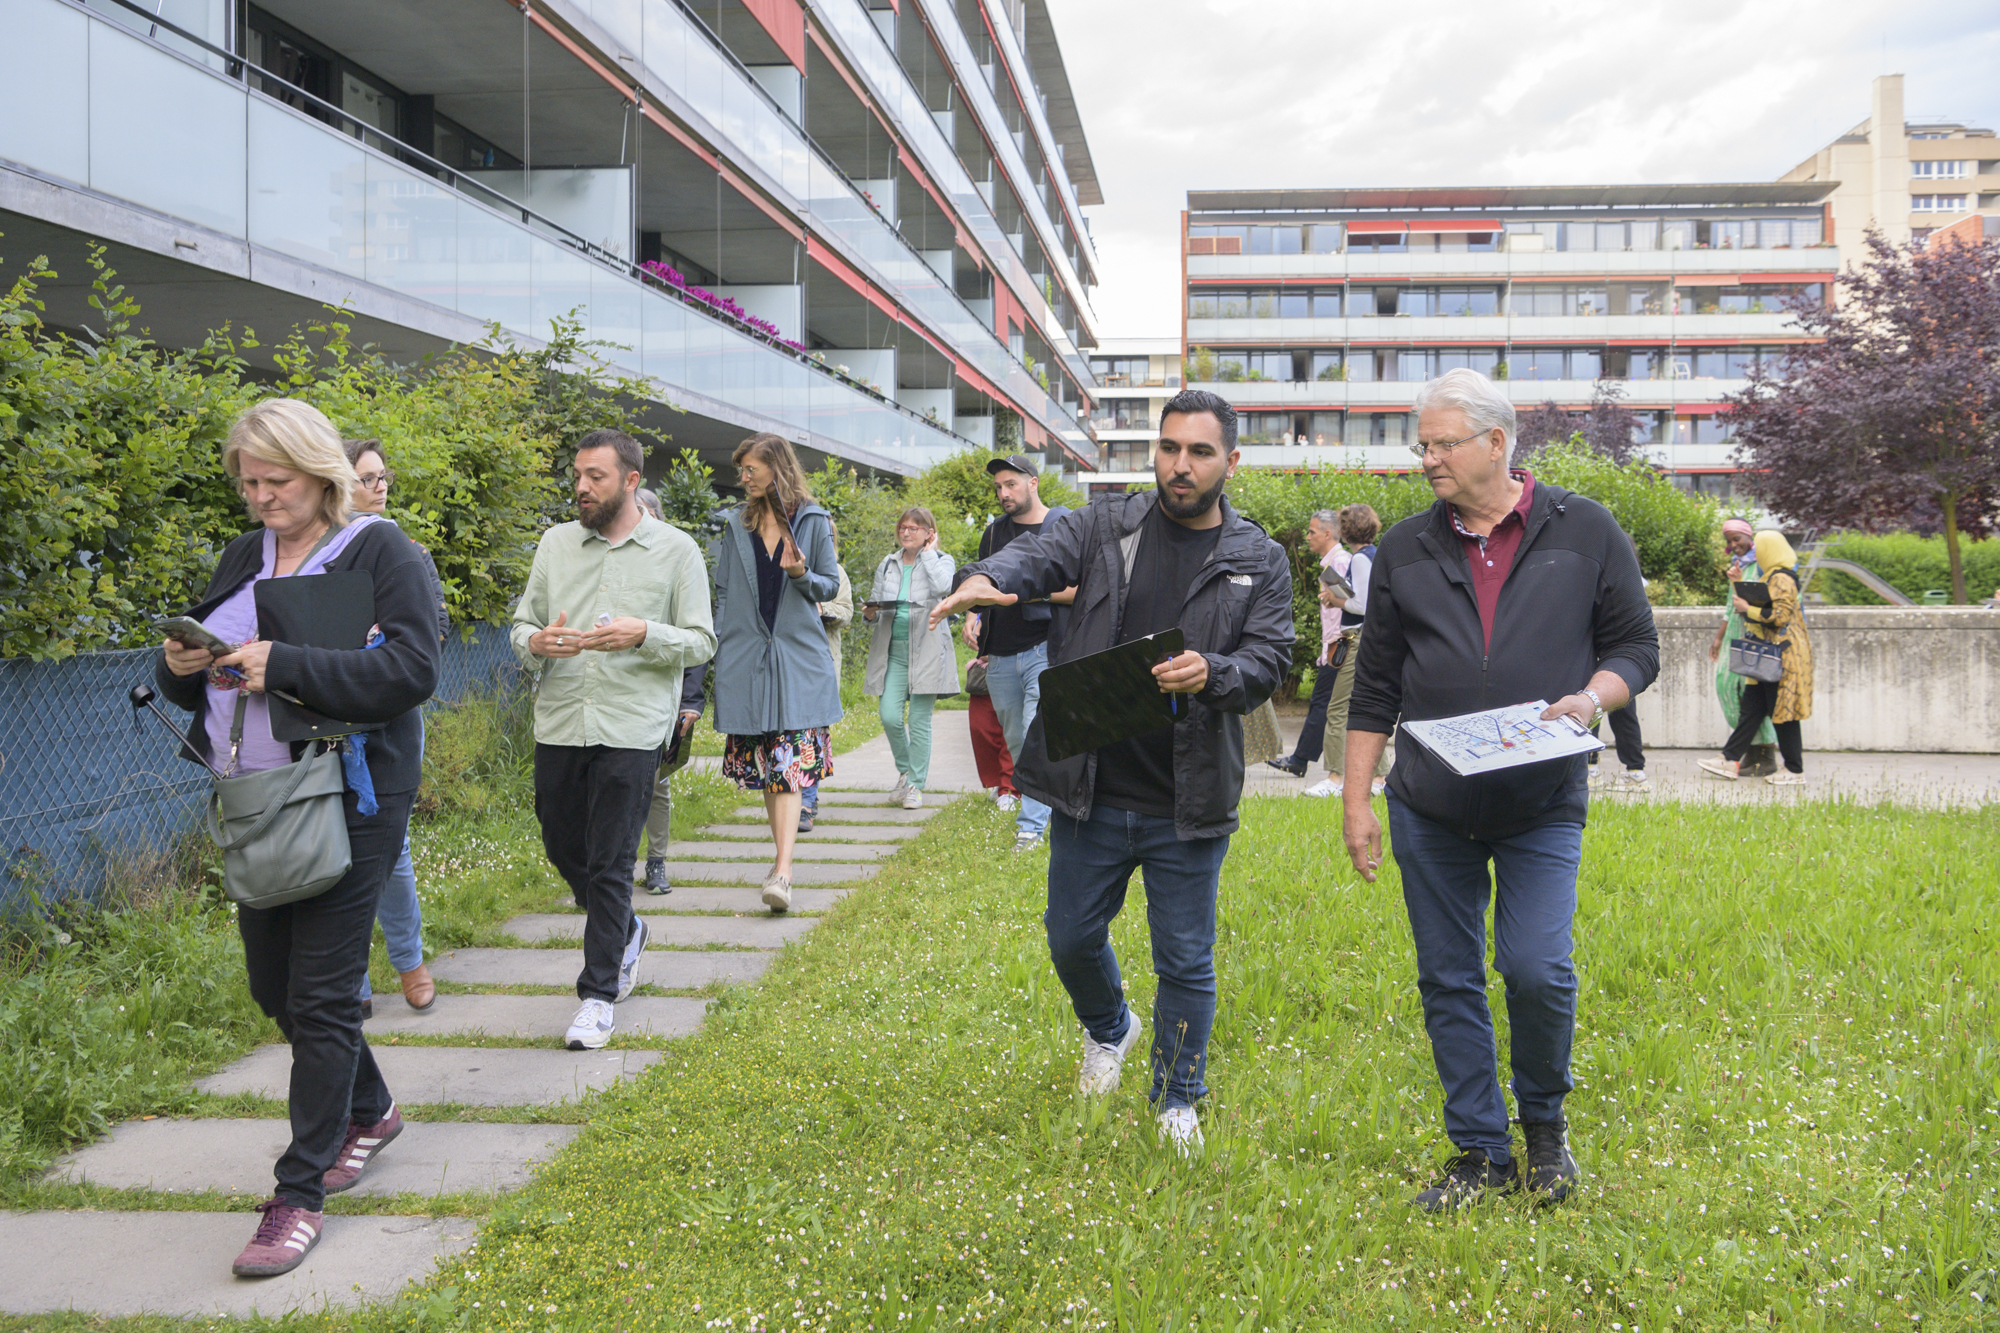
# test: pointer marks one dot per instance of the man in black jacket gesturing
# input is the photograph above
(1165, 800)
(1504, 591)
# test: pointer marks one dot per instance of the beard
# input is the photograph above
(1010, 506)
(602, 513)
(1195, 507)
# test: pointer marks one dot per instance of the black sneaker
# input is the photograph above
(656, 877)
(1288, 766)
(805, 820)
(1468, 1178)
(1551, 1169)
(1761, 761)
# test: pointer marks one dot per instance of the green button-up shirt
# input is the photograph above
(625, 700)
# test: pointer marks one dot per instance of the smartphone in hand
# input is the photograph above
(188, 630)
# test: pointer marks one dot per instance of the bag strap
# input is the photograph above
(271, 810)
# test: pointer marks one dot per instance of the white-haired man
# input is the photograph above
(1505, 590)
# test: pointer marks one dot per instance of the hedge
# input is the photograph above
(1913, 565)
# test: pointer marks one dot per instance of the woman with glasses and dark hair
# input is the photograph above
(777, 693)
(399, 914)
(910, 665)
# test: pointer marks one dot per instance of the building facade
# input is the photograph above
(855, 223)
(1917, 177)
(1134, 377)
(1319, 312)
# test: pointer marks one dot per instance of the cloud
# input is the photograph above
(1210, 94)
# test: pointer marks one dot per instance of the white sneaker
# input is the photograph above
(1025, 842)
(635, 949)
(1007, 802)
(1632, 779)
(1378, 786)
(1101, 1063)
(591, 1027)
(1720, 767)
(1325, 787)
(913, 798)
(1785, 778)
(896, 792)
(1179, 1127)
(778, 892)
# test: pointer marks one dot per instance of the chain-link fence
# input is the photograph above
(84, 779)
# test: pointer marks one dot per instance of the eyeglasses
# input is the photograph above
(1420, 448)
(378, 481)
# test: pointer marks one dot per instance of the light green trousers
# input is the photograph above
(909, 740)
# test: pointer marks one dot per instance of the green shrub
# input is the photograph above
(114, 505)
(479, 752)
(1913, 565)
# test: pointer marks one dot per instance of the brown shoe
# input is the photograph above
(419, 989)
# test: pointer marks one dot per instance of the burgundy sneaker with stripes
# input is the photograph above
(284, 1238)
(363, 1142)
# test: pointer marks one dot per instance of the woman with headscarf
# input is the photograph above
(1762, 758)
(1786, 701)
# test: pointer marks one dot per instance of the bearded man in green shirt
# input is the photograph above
(616, 605)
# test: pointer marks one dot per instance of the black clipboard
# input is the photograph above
(333, 610)
(1757, 594)
(1108, 697)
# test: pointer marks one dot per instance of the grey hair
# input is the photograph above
(1328, 519)
(1485, 407)
(650, 503)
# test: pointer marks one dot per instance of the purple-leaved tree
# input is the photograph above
(1893, 416)
(1608, 427)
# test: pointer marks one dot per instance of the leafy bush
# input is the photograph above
(1914, 565)
(113, 502)
(479, 752)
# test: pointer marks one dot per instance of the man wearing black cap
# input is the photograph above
(1014, 640)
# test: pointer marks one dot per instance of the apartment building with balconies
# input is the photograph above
(1135, 376)
(854, 223)
(1919, 176)
(1319, 312)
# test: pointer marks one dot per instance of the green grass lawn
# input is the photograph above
(1787, 1089)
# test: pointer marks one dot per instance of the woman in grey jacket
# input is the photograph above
(776, 689)
(908, 664)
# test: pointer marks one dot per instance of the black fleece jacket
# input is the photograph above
(1573, 604)
(376, 685)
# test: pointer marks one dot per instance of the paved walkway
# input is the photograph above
(711, 929)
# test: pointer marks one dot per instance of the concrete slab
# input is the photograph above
(824, 832)
(477, 1076)
(235, 1157)
(117, 1264)
(731, 898)
(806, 850)
(669, 968)
(877, 811)
(871, 765)
(534, 1015)
(753, 872)
(856, 793)
(762, 931)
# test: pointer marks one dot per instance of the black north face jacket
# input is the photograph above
(1237, 614)
(1573, 604)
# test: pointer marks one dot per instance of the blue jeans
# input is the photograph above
(1090, 863)
(1445, 888)
(1014, 682)
(402, 919)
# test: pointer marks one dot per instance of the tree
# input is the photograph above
(1894, 414)
(1609, 428)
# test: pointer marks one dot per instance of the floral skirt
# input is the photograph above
(779, 761)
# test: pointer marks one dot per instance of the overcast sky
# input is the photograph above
(1207, 94)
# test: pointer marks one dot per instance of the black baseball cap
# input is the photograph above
(1012, 463)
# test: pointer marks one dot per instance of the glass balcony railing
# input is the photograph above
(682, 57)
(124, 116)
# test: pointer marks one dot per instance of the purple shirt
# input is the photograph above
(236, 622)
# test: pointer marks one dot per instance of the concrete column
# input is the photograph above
(1889, 158)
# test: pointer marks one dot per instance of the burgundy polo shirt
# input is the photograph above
(1492, 556)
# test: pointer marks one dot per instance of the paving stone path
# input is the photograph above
(506, 1052)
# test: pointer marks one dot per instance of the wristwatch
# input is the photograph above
(1595, 702)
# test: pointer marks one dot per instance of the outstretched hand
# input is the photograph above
(975, 591)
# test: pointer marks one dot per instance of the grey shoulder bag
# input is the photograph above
(1761, 659)
(282, 831)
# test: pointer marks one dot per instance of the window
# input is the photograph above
(1749, 299)
(1555, 363)
(1638, 298)
(1124, 414)
(1724, 363)
(1937, 203)
(1448, 301)
(1388, 430)
(1326, 303)
(1361, 365)
(1940, 170)
(1120, 369)
(1713, 429)
(1429, 363)
(1716, 486)
(1274, 240)
(1323, 239)
(1264, 428)
(1677, 235)
(1543, 299)
(1218, 303)
(1294, 303)
(1379, 242)
(1326, 429)
(1360, 302)
(1326, 366)
(1253, 364)
(1264, 304)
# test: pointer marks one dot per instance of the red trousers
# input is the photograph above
(989, 747)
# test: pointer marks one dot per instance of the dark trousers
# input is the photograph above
(1625, 735)
(1090, 863)
(592, 802)
(1533, 886)
(1313, 738)
(1760, 699)
(306, 961)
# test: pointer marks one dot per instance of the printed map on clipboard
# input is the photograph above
(1475, 743)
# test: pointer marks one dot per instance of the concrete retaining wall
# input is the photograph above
(1923, 680)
